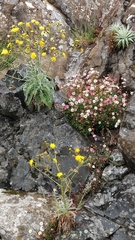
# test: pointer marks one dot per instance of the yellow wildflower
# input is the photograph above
(64, 54)
(63, 35)
(20, 23)
(55, 160)
(41, 28)
(31, 162)
(42, 43)
(76, 40)
(79, 158)
(43, 54)
(52, 145)
(82, 50)
(24, 35)
(53, 59)
(33, 55)
(27, 50)
(33, 20)
(27, 24)
(9, 45)
(77, 150)
(14, 30)
(37, 22)
(53, 48)
(35, 43)
(59, 174)
(19, 42)
(62, 31)
(4, 51)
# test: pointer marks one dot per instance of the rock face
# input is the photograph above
(127, 134)
(21, 214)
(108, 214)
(23, 133)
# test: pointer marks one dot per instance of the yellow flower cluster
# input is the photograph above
(34, 40)
(80, 158)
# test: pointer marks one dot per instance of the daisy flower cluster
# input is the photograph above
(34, 40)
(94, 103)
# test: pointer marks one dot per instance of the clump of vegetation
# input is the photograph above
(6, 60)
(86, 28)
(94, 104)
(121, 36)
(35, 42)
(66, 203)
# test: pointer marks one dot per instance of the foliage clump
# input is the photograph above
(35, 42)
(94, 103)
(122, 36)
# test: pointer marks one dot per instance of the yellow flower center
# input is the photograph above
(33, 55)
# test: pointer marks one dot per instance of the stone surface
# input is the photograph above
(127, 134)
(21, 214)
(23, 132)
(109, 214)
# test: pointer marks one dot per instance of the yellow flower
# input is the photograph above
(9, 45)
(35, 43)
(55, 160)
(27, 24)
(19, 42)
(31, 162)
(63, 35)
(59, 174)
(42, 43)
(52, 145)
(53, 59)
(53, 48)
(79, 158)
(37, 22)
(27, 50)
(62, 31)
(16, 41)
(43, 54)
(41, 28)
(24, 35)
(64, 54)
(20, 23)
(14, 30)
(33, 55)
(33, 20)
(82, 50)
(76, 41)
(77, 150)
(4, 51)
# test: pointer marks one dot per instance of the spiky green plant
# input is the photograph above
(123, 36)
(38, 88)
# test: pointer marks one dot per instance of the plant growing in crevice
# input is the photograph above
(93, 104)
(35, 43)
(122, 36)
(64, 206)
